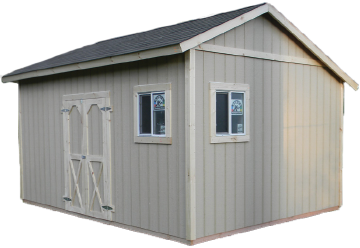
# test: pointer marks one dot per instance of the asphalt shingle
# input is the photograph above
(156, 38)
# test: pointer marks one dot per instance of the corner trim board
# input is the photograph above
(190, 144)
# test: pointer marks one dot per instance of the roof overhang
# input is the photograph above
(163, 51)
(194, 42)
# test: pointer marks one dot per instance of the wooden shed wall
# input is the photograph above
(148, 180)
(292, 163)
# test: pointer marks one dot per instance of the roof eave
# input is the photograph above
(147, 54)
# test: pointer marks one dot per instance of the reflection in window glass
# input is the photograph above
(145, 114)
(237, 113)
(222, 125)
(159, 114)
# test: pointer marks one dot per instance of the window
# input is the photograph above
(229, 112)
(152, 113)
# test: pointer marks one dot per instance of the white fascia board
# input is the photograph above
(147, 54)
(211, 33)
(311, 46)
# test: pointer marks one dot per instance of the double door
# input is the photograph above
(87, 171)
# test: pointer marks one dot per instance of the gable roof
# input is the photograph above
(156, 38)
(164, 41)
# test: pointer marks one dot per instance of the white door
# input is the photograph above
(86, 130)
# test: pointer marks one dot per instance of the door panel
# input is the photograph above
(95, 130)
(75, 130)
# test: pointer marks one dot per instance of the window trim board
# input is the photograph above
(167, 138)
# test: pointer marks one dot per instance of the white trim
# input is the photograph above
(153, 139)
(90, 95)
(190, 147)
(229, 87)
(256, 54)
(208, 35)
(311, 46)
(147, 54)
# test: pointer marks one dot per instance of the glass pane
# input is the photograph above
(237, 113)
(159, 113)
(145, 114)
(222, 112)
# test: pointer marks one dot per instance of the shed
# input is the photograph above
(190, 132)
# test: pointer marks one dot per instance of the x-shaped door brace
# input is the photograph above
(96, 185)
(76, 182)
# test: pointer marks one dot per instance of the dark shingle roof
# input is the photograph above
(156, 38)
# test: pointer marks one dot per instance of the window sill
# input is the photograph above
(230, 138)
(153, 140)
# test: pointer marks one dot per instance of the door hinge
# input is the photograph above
(66, 199)
(107, 208)
(105, 108)
(83, 157)
(65, 110)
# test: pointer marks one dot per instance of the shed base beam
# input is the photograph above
(180, 240)
(271, 223)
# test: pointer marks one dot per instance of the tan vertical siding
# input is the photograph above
(148, 185)
(320, 140)
(250, 150)
(289, 166)
(267, 126)
(299, 127)
(258, 107)
(208, 153)
(306, 103)
(313, 137)
(239, 158)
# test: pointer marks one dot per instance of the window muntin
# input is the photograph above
(230, 113)
(152, 114)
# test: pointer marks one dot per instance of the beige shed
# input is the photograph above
(190, 132)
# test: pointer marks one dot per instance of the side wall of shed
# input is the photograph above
(148, 180)
(292, 163)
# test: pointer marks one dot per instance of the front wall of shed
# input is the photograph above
(148, 180)
(292, 163)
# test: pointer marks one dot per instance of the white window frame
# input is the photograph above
(152, 138)
(229, 88)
